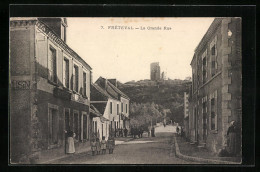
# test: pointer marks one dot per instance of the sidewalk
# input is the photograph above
(190, 152)
(58, 155)
(81, 150)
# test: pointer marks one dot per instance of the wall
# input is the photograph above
(21, 90)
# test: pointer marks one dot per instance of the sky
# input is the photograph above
(126, 54)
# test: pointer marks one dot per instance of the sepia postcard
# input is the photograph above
(125, 90)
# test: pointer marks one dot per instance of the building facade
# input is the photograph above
(215, 97)
(49, 89)
(155, 72)
(186, 114)
(112, 104)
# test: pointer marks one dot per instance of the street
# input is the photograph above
(156, 150)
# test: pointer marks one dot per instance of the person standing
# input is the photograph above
(93, 146)
(111, 145)
(125, 132)
(231, 141)
(103, 145)
(152, 132)
(70, 141)
(98, 146)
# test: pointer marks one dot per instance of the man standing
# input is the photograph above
(125, 132)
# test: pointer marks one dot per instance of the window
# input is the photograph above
(117, 109)
(76, 78)
(125, 108)
(84, 84)
(122, 107)
(204, 118)
(213, 49)
(52, 65)
(204, 70)
(53, 119)
(95, 126)
(111, 110)
(102, 131)
(85, 127)
(213, 125)
(213, 57)
(66, 73)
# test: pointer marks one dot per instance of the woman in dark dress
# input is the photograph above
(231, 142)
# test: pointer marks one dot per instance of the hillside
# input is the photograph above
(169, 94)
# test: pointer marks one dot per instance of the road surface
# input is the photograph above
(155, 150)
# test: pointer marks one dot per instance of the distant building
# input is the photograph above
(155, 71)
(112, 104)
(163, 76)
(215, 97)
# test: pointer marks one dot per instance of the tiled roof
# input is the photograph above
(100, 107)
(94, 111)
(118, 91)
(102, 91)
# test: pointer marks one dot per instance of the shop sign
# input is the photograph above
(79, 99)
(57, 92)
(20, 85)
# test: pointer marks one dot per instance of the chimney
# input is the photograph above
(57, 24)
(113, 81)
(102, 82)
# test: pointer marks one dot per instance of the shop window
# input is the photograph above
(53, 125)
(52, 61)
(85, 127)
(76, 125)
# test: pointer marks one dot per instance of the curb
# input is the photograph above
(196, 159)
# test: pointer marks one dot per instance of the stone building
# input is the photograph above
(155, 72)
(49, 90)
(215, 97)
(186, 114)
(112, 103)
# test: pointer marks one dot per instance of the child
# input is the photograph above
(98, 146)
(103, 145)
(93, 146)
(111, 144)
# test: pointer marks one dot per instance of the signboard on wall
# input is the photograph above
(20, 84)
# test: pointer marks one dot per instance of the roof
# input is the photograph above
(118, 91)
(94, 111)
(47, 30)
(103, 119)
(100, 90)
(207, 35)
(100, 107)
